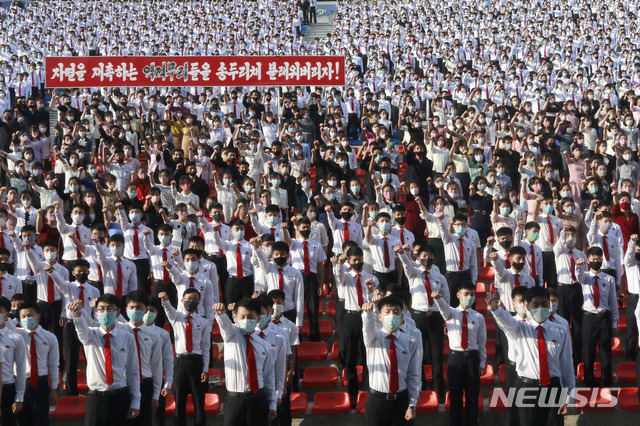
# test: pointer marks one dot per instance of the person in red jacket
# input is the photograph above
(623, 216)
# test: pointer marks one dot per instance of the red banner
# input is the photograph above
(186, 71)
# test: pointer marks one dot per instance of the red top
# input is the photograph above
(629, 225)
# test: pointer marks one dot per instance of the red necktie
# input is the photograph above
(165, 271)
(353, 107)
(464, 343)
(507, 261)
(108, 369)
(551, 317)
(78, 254)
(273, 232)
(220, 252)
(542, 355)
(136, 242)
(307, 266)
(191, 282)
(81, 297)
(517, 282)
(2, 239)
(346, 231)
(596, 292)
(427, 286)
(239, 273)
(359, 289)
(605, 247)
(387, 262)
(33, 379)
(393, 366)
(572, 266)
(189, 333)
(533, 265)
(135, 333)
(50, 291)
(461, 255)
(140, 109)
(235, 114)
(119, 280)
(280, 280)
(251, 366)
(402, 236)
(551, 239)
(100, 273)
(1, 278)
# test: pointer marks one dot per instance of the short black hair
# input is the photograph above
(265, 301)
(138, 296)
(272, 208)
(28, 304)
(594, 251)
(519, 291)
(355, 251)
(194, 252)
(116, 238)
(111, 299)
(280, 246)
(392, 301)
(165, 227)
(536, 291)
(80, 263)
(517, 250)
(532, 225)
(190, 291)
(383, 215)
(249, 304)
(5, 303)
(466, 285)
(504, 231)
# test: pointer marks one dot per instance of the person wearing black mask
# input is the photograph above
(344, 230)
(78, 290)
(10, 284)
(601, 315)
(419, 167)
(358, 288)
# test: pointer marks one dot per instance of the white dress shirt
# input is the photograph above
(47, 352)
(9, 285)
(505, 282)
(14, 368)
(337, 228)
(157, 256)
(23, 269)
(417, 285)
(289, 328)
(128, 229)
(563, 260)
(477, 329)
(260, 229)
(149, 347)
(124, 359)
(537, 252)
(110, 272)
(377, 252)
(208, 295)
(347, 282)
(70, 251)
(377, 342)
(615, 248)
(403, 235)
(315, 250)
(71, 292)
(167, 354)
(210, 246)
(201, 333)
(632, 271)
(525, 334)
(607, 287)
(42, 278)
(230, 248)
(277, 341)
(452, 252)
(544, 241)
(236, 372)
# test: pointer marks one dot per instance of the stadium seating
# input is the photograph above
(331, 403)
(69, 407)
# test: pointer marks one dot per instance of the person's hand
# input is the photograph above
(493, 256)
(410, 414)
(154, 404)
(231, 307)
(166, 265)
(367, 307)
(255, 242)
(563, 410)
(62, 322)
(493, 300)
(369, 284)
(253, 212)
(16, 407)
(272, 414)
(163, 297)
(75, 307)
(175, 252)
(398, 249)
(25, 244)
(53, 396)
(490, 241)
(203, 377)
(634, 237)
(48, 268)
(342, 258)
(435, 295)
(56, 205)
(439, 215)
(520, 224)
(580, 261)
(166, 392)
(132, 414)
(481, 371)
(219, 309)
(328, 208)
(146, 231)
(11, 233)
(199, 214)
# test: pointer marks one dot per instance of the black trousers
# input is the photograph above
(353, 123)
(381, 412)
(8, 398)
(223, 274)
(186, 380)
(71, 349)
(30, 289)
(107, 409)
(159, 414)
(284, 410)
(596, 330)
(386, 280)
(246, 409)
(146, 393)
(313, 16)
(143, 268)
(49, 320)
(547, 414)
(502, 347)
(237, 289)
(431, 326)
(570, 308)
(549, 273)
(340, 312)
(463, 376)
(353, 349)
(35, 409)
(312, 300)
(631, 342)
(454, 279)
(511, 376)
(170, 288)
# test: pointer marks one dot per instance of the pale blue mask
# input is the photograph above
(134, 315)
(272, 220)
(238, 235)
(247, 325)
(460, 230)
(467, 301)
(384, 226)
(392, 322)
(106, 319)
(539, 315)
(29, 323)
(548, 209)
(263, 321)
(149, 317)
(165, 240)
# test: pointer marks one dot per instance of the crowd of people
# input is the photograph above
(470, 136)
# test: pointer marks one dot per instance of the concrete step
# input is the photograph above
(318, 30)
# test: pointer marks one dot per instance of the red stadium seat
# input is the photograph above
(326, 328)
(312, 351)
(481, 306)
(489, 376)
(491, 348)
(596, 399)
(331, 308)
(481, 290)
(361, 173)
(69, 407)
(487, 274)
(82, 381)
(628, 399)
(597, 371)
(215, 332)
(320, 309)
(446, 351)
(427, 402)
(325, 291)
(501, 375)
(214, 351)
(500, 404)
(428, 373)
(491, 324)
(447, 404)
(211, 405)
(331, 403)
(616, 347)
(318, 377)
(359, 370)
(362, 401)
(81, 358)
(299, 403)
(335, 351)
(626, 372)
(622, 323)
(170, 409)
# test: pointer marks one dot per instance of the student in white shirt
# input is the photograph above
(386, 267)
(631, 263)
(13, 367)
